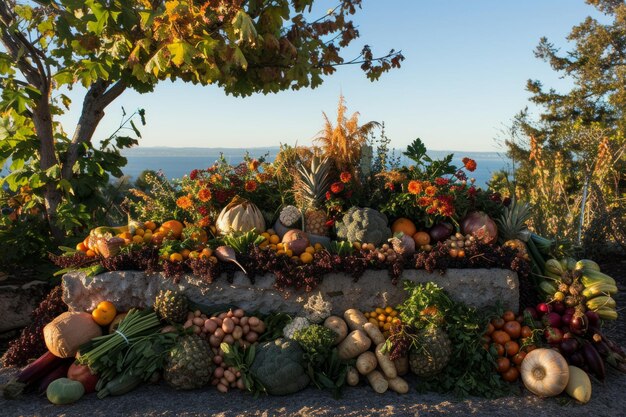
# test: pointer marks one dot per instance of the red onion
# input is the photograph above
(552, 320)
(440, 232)
(543, 308)
(296, 240)
(553, 336)
(481, 226)
(569, 346)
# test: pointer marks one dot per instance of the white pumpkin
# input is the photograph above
(545, 372)
(240, 215)
(579, 385)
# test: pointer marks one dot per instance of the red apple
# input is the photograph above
(82, 374)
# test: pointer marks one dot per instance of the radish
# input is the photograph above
(227, 254)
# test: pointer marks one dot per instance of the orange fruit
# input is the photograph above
(137, 239)
(513, 328)
(421, 238)
(194, 254)
(139, 232)
(500, 337)
(90, 253)
(206, 253)
(404, 225)
(104, 313)
(511, 348)
(157, 238)
(306, 257)
(185, 253)
(508, 315)
(503, 364)
(176, 257)
(81, 247)
(310, 249)
(173, 227)
(274, 239)
(149, 225)
(147, 238)
(511, 375)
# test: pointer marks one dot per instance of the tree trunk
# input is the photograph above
(42, 119)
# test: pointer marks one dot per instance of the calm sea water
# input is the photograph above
(175, 166)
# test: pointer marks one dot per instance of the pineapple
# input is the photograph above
(189, 364)
(311, 185)
(433, 354)
(512, 227)
(171, 306)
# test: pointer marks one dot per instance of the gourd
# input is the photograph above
(240, 215)
(579, 385)
(65, 334)
(64, 391)
(545, 372)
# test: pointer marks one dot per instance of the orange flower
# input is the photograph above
(215, 178)
(424, 201)
(336, 187)
(204, 195)
(470, 164)
(250, 185)
(263, 177)
(415, 187)
(254, 165)
(205, 221)
(184, 202)
(431, 190)
(345, 177)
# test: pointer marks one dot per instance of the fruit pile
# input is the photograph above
(298, 250)
(509, 340)
(384, 318)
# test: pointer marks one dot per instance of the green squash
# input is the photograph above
(64, 391)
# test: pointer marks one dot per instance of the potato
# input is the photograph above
(374, 333)
(398, 385)
(228, 325)
(337, 325)
(366, 362)
(386, 364)
(377, 381)
(352, 377)
(353, 345)
(355, 319)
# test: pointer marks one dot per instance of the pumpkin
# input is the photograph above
(66, 333)
(578, 385)
(240, 215)
(403, 225)
(104, 313)
(545, 372)
(296, 240)
(64, 391)
(173, 227)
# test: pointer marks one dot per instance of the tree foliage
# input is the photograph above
(571, 156)
(109, 46)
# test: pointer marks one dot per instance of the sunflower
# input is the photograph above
(204, 195)
(184, 202)
(250, 185)
(415, 187)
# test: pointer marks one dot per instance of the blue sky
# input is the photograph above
(467, 62)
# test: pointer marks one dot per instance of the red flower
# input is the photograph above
(328, 195)
(471, 191)
(431, 190)
(193, 174)
(221, 196)
(345, 177)
(470, 164)
(337, 187)
(330, 223)
(389, 186)
(424, 201)
(203, 210)
(250, 185)
(441, 181)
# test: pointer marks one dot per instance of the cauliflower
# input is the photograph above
(363, 225)
(295, 325)
(317, 309)
(289, 216)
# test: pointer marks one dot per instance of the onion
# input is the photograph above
(552, 320)
(440, 232)
(569, 346)
(480, 225)
(296, 241)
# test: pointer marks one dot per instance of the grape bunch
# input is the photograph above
(30, 343)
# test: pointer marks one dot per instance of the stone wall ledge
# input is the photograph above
(127, 289)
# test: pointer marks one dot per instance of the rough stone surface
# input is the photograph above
(126, 289)
(17, 302)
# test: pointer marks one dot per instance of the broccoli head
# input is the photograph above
(363, 225)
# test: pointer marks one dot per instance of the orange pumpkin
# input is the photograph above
(172, 226)
(404, 225)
